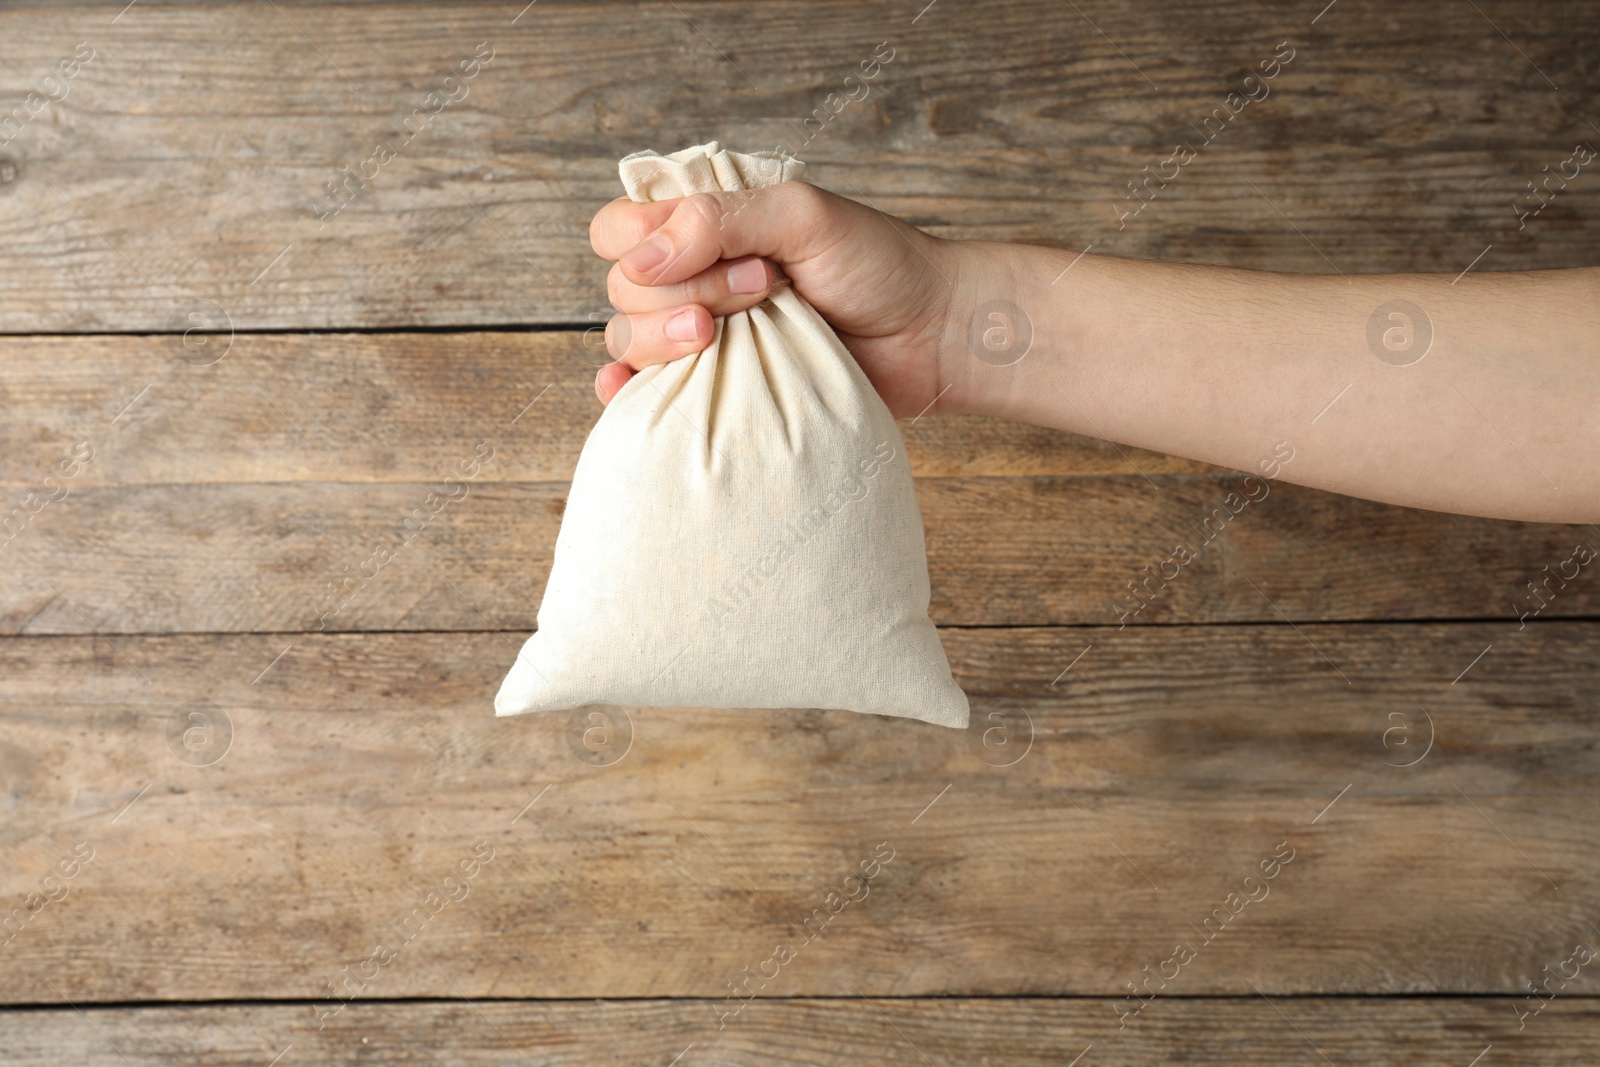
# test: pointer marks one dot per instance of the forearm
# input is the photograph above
(1500, 417)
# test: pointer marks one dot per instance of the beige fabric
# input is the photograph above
(742, 530)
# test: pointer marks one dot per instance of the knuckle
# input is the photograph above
(618, 335)
(807, 202)
(701, 214)
(708, 287)
(607, 227)
(815, 212)
(601, 230)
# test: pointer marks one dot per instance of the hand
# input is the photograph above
(886, 287)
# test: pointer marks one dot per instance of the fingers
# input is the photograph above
(728, 286)
(658, 336)
(668, 322)
(622, 224)
(683, 261)
(672, 241)
(610, 379)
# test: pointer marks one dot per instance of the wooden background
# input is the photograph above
(1116, 784)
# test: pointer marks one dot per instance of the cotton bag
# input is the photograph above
(742, 530)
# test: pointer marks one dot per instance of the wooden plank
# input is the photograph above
(177, 178)
(1035, 1033)
(385, 407)
(1132, 786)
(384, 48)
(1001, 551)
(421, 257)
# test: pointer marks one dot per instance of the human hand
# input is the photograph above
(886, 288)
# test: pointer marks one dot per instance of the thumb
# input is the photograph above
(788, 223)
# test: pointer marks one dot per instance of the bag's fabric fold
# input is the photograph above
(742, 531)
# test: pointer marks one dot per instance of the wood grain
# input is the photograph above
(180, 175)
(1433, 778)
(1114, 789)
(1001, 551)
(386, 407)
(1023, 1033)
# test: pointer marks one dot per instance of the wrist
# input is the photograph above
(1001, 329)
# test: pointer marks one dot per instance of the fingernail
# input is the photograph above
(647, 254)
(747, 276)
(682, 326)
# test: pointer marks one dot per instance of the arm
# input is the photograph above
(1478, 395)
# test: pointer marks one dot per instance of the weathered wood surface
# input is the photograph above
(1001, 551)
(1019, 1033)
(1092, 818)
(181, 172)
(1116, 785)
(386, 407)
